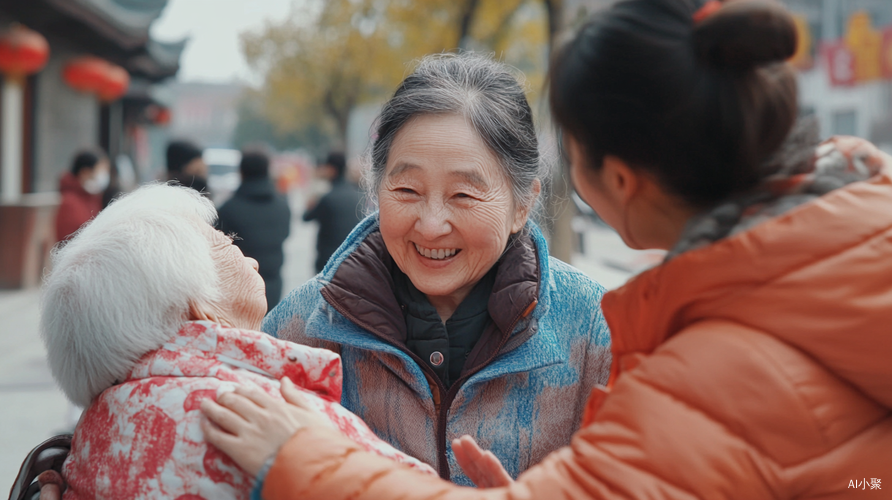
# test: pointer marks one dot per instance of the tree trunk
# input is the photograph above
(465, 21)
(558, 207)
(339, 108)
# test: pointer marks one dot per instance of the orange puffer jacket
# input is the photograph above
(757, 367)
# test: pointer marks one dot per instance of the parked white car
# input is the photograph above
(223, 174)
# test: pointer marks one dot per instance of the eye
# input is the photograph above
(406, 191)
(463, 196)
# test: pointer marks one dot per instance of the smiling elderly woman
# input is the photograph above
(147, 312)
(445, 306)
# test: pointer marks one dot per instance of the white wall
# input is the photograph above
(65, 122)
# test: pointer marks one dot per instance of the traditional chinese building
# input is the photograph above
(96, 88)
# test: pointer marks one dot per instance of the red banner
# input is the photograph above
(863, 54)
(887, 53)
(840, 63)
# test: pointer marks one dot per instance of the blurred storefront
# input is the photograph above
(844, 61)
(96, 88)
(845, 64)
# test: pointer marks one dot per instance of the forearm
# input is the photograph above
(322, 464)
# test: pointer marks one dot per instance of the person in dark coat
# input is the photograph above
(337, 211)
(261, 220)
(81, 189)
(186, 166)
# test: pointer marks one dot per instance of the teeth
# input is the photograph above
(436, 254)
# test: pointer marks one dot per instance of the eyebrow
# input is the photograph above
(402, 168)
(470, 177)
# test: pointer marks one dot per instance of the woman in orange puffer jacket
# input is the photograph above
(755, 361)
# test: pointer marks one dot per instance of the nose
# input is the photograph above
(433, 222)
(254, 264)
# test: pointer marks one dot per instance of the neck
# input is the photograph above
(447, 304)
(214, 314)
(665, 221)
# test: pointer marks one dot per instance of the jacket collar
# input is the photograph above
(804, 277)
(261, 188)
(206, 349)
(71, 185)
(362, 289)
(375, 321)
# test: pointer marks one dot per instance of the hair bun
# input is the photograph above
(743, 34)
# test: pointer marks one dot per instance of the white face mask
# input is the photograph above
(97, 183)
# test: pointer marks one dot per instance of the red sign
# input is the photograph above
(887, 53)
(840, 63)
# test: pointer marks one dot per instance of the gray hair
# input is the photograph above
(487, 93)
(122, 286)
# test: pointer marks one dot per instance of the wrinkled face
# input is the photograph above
(446, 206)
(243, 301)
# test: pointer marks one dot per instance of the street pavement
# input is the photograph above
(33, 409)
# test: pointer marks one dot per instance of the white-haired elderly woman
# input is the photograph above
(445, 306)
(149, 311)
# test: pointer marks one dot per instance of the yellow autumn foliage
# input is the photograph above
(336, 54)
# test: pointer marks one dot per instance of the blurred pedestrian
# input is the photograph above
(337, 211)
(186, 166)
(754, 362)
(260, 219)
(81, 189)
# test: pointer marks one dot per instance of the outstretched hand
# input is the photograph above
(250, 426)
(481, 467)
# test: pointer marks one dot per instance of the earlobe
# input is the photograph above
(522, 213)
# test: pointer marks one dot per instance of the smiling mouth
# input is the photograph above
(436, 253)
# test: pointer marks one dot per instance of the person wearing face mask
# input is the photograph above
(81, 189)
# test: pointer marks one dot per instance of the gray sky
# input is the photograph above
(213, 53)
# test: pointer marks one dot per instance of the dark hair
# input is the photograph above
(337, 160)
(701, 105)
(180, 154)
(86, 159)
(487, 94)
(254, 165)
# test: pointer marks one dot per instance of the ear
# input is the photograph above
(619, 180)
(523, 212)
(200, 311)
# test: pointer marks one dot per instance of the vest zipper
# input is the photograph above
(445, 404)
(443, 410)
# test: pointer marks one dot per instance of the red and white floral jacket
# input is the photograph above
(141, 438)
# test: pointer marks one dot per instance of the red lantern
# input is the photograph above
(22, 51)
(115, 83)
(85, 74)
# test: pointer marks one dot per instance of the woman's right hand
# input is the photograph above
(250, 426)
(481, 467)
